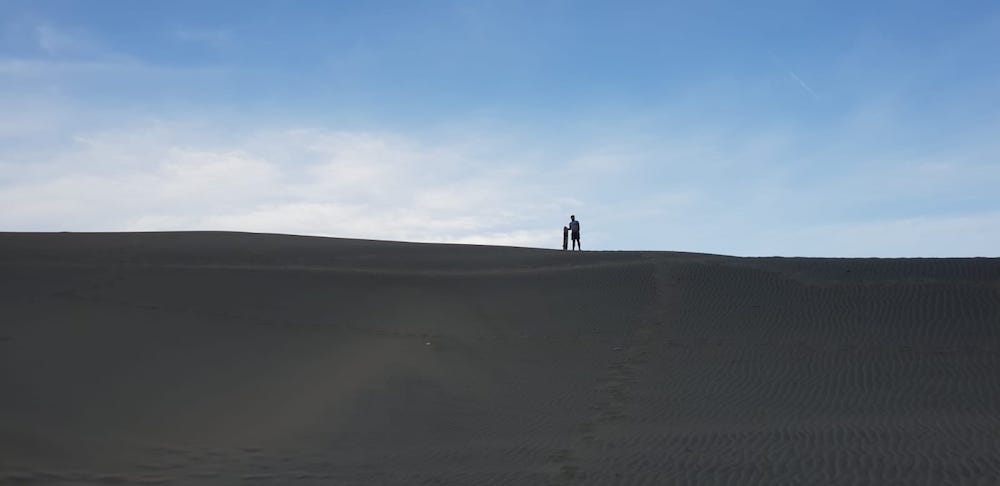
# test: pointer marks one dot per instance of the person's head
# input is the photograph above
(572, 217)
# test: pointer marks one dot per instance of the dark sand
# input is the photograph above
(229, 358)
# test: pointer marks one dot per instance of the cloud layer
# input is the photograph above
(347, 184)
(699, 195)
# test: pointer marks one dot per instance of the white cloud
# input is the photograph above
(35, 115)
(348, 184)
(511, 238)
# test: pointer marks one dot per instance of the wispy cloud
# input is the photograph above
(62, 53)
(73, 45)
(215, 38)
(55, 42)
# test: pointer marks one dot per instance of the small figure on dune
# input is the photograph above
(574, 228)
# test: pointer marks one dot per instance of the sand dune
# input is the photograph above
(229, 358)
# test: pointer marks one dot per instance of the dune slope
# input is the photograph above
(230, 358)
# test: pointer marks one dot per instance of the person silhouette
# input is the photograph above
(574, 228)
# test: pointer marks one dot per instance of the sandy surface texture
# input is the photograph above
(230, 358)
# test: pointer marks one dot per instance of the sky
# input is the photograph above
(800, 128)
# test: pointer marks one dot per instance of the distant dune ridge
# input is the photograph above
(232, 358)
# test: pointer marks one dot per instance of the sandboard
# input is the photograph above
(565, 237)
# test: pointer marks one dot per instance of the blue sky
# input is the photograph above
(744, 128)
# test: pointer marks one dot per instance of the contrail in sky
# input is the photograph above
(793, 75)
(803, 84)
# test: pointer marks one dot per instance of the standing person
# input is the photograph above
(574, 227)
